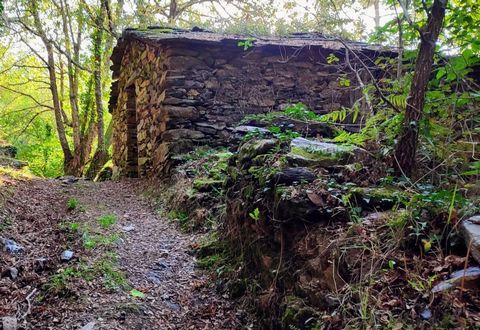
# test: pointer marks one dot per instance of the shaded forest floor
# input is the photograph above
(131, 268)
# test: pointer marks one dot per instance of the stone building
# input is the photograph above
(175, 89)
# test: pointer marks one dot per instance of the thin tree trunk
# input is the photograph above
(67, 154)
(172, 13)
(376, 4)
(407, 145)
(400, 47)
(101, 156)
(72, 73)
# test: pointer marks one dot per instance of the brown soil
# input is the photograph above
(154, 258)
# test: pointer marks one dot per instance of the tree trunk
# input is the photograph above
(172, 13)
(101, 156)
(407, 144)
(376, 5)
(67, 154)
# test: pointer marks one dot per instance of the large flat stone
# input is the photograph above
(304, 152)
(187, 112)
(470, 229)
(180, 134)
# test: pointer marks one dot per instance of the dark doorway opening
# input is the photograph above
(132, 142)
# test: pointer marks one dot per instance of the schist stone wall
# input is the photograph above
(173, 94)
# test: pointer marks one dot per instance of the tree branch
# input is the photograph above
(374, 81)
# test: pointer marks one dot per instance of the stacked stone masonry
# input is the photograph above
(171, 95)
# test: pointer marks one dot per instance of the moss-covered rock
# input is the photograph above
(311, 153)
(252, 148)
(207, 184)
(297, 315)
(380, 198)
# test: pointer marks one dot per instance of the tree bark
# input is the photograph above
(407, 145)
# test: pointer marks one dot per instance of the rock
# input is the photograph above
(426, 314)
(164, 253)
(469, 277)
(305, 152)
(378, 198)
(128, 228)
(181, 133)
(69, 179)
(67, 255)
(8, 151)
(248, 129)
(187, 112)
(295, 174)
(470, 230)
(9, 323)
(172, 306)
(11, 246)
(41, 264)
(214, 126)
(89, 326)
(306, 128)
(297, 314)
(13, 273)
(161, 265)
(154, 278)
(10, 272)
(206, 184)
(252, 148)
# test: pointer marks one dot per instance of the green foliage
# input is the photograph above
(137, 294)
(74, 226)
(106, 267)
(108, 220)
(474, 169)
(92, 240)
(181, 216)
(344, 82)
(351, 138)
(283, 135)
(300, 111)
(255, 214)
(335, 116)
(246, 44)
(332, 59)
(72, 203)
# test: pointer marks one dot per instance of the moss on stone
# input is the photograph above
(382, 197)
(296, 314)
(306, 157)
(206, 184)
(253, 148)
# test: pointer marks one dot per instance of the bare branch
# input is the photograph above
(374, 81)
(27, 95)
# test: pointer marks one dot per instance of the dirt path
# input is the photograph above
(151, 253)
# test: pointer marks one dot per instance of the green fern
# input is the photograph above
(400, 101)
